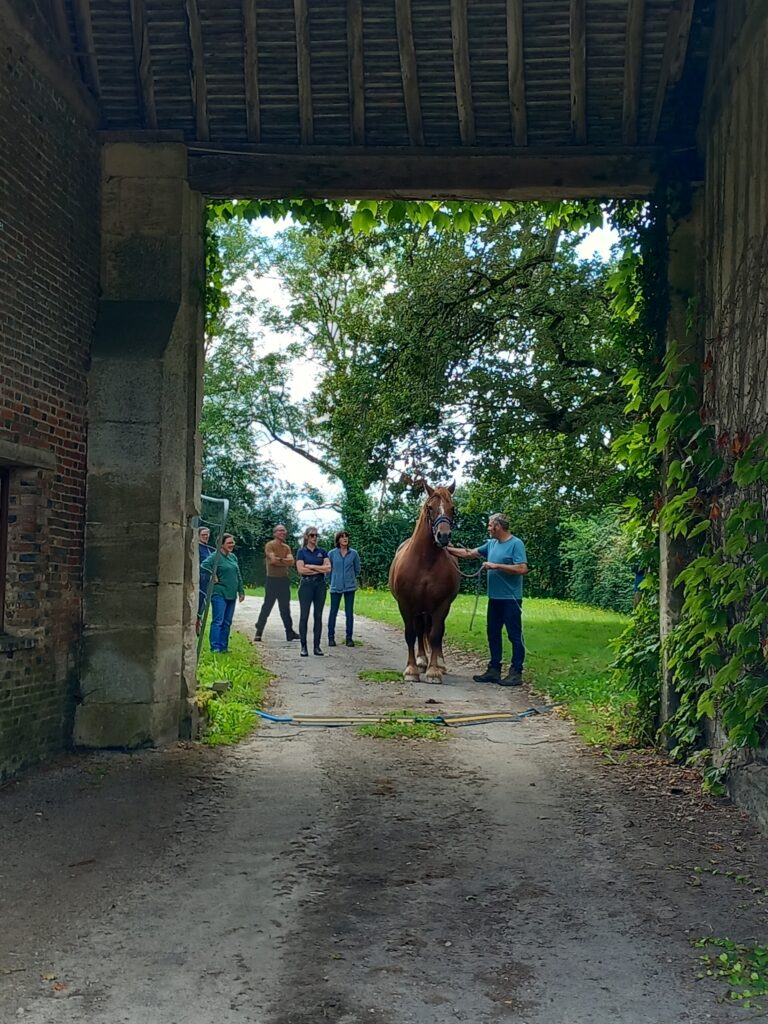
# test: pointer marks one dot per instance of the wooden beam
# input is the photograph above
(356, 70)
(579, 71)
(633, 68)
(86, 48)
(251, 71)
(304, 70)
(516, 72)
(462, 72)
(409, 72)
(197, 71)
(145, 81)
(673, 60)
(407, 173)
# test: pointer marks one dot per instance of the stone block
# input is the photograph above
(125, 390)
(146, 269)
(126, 726)
(134, 160)
(121, 558)
(119, 664)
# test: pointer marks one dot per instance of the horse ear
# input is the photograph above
(430, 490)
(452, 486)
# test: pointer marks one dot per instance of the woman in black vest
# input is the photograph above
(312, 565)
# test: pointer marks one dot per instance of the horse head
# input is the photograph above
(439, 512)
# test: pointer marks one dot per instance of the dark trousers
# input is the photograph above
(311, 596)
(276, 589)
(222, 611)
(509, 614)
(349, 613)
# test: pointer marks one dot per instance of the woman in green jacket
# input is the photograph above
(227, 588)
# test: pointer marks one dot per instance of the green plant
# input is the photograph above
(744, 967)
(373, 676)
(228, 717)
(392, 728)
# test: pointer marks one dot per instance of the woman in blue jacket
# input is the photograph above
(345, 568)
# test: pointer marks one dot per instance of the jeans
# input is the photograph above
(276, 588)
(223, 612)
(349, 613)
(201, 597)
(311, 595)
(507, 613)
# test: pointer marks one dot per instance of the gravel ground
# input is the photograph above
(506, 874)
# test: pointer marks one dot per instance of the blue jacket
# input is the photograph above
(344, 570)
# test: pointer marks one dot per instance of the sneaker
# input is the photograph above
(350, 642)
(491, 675)
(512, 678)
(331, 642)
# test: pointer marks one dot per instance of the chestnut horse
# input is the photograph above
(424, 580)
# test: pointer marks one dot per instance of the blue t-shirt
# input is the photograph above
(316, 557)
(504, 586)
(344, 570)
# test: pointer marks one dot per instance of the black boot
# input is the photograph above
(331, 642)
(318, 651)
(257, 635)
(304, 651)
(491, 675)
(292, 636)
(512, 678)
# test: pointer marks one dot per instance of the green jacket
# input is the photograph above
(228, 574)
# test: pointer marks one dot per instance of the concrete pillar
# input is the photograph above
(684, 256)
(143, 479)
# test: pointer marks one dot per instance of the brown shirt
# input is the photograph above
(279, 550)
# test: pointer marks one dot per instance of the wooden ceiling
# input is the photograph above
(325, 78)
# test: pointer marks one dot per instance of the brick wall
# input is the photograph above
(49, 175)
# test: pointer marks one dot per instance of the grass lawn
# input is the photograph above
(228, 715)
(567, 655)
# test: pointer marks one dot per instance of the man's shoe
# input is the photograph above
(318, 652)
(257, 636)
(512, 678)
(304, 651)
(292, 636)
(491, 675)
(350, 642)
(331, 642)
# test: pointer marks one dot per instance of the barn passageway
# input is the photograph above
(506, 874)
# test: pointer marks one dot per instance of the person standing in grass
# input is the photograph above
(345, 568)
(277, 587)
(204, 549)
(227, 583)
(506, 563)
(312, 565)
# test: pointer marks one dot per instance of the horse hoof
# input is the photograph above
(433, 676)
(411, 677)
(421, 663)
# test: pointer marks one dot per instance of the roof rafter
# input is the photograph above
(304, 70)
(516, 72)
(251, 70)
(197, 71)
(633, 56)
(409, 72)
(673, 61)
(461, 71)
(143, 63)
(579, 71)
(86, 46)
(356, 71)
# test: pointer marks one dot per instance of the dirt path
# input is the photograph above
(312, 875)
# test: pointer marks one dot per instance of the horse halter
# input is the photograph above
(435, 523)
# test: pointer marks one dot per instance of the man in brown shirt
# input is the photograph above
(278, 560)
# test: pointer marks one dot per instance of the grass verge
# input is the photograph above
(567, 659)
(372, 676)
(229, 715)
(391, 729)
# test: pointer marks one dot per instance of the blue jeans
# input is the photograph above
(222, 613)
(349, 612)
(503, 613)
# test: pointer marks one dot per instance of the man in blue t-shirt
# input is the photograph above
(506, 562)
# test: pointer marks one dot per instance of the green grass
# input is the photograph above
(567, 656)
(229, 716)
(390, 729)
(381, 677)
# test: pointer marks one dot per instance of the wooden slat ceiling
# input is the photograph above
(492, 74)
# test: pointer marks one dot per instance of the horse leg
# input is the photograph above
(411, 673)
(437, 661)
(421, 631)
